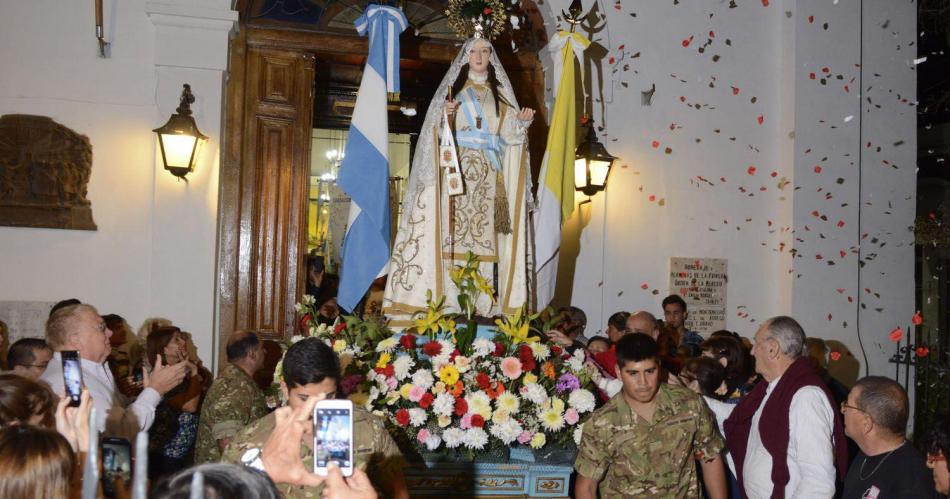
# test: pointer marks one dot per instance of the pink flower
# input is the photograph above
(511, 367)
(392, 383)
(416, 393)
(524, 438)
(423, 435)
(571, 416)
(466, 421)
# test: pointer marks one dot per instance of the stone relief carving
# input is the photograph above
(44, 171)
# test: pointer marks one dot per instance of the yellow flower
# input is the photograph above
(449, 374)
(404, 390)
(445, 421)
(508, 402)
(529, 378)
(538, 440)
(383, 360)
(482, 284)
(552, 420)
(339, 346)
(392, 397)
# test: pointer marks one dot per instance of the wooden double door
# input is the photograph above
(265, 165)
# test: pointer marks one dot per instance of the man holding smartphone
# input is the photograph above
(80, 328)
(312, 371)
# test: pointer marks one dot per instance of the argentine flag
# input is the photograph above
(364, 174)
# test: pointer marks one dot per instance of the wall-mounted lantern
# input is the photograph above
(591, 164)
(180, 139)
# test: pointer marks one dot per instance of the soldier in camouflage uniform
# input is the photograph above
(644, 441)
(312, 370)
(234, 400)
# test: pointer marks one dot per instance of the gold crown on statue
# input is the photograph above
(477, 18)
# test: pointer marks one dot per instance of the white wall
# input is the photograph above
(154, 251)
(626, 237)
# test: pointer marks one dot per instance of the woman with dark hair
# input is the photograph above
(617, 326)
(35, 463)
(937, 454)
(173, 434)
(730, 353)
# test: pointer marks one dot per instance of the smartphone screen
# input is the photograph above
(116, 464)
(72, 377)
(333, 437)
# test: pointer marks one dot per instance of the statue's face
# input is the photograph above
(479, 57)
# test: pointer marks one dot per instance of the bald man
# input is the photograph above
(643, 322)
(233, 400)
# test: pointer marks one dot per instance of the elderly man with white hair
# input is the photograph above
(785, 436)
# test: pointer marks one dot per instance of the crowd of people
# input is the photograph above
(680, 415)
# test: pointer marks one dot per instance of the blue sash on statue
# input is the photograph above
(492, 144)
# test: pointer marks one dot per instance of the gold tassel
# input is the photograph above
(393, 96)
(502, 217)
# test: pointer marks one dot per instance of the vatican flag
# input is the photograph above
(556, 189)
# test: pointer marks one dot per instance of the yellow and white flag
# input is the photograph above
(556, 180)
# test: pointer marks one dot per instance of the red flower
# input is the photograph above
(835, 355)
(461, 407)
(432, 348)
(526, 358)
(455, 353)
(556, 351)
(487, 11)
(408, 341)
(388, 371)
(426, 401)
(484, 382)
(339, 327)
(499, 349)
(402, 417)
(923, 351)
(478, 421)
(917, 319)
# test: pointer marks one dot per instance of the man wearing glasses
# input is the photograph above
(28, 357)
(875, 417)
(784, 435)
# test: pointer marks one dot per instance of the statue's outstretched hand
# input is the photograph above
(526, 114)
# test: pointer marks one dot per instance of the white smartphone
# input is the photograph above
(333, 436)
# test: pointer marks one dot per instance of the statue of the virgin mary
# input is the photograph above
(442, 221)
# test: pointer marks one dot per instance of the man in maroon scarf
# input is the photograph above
(785, 436)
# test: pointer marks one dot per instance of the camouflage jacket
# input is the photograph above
(633, 458)
(376, 452)
(233, 401)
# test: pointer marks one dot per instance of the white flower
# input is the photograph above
(444, 355)
(578, 431)
(295, 338)
(551, 419)
(444, 404)
(402, 365)
(462, 363)
(373, 393)
(387, 345)
(479, 403)
(444, 421)
(500, 416)
(453, 437)
(433, 442)
(308, 300)
(482, 347)
(539, 350)
(506, 431)
(475, 438)
(535, 393)
(417, 416)
(576, 362)
(508, 402)
(582, 400)
(423, 378)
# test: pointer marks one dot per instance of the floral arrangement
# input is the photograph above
(450, 388)
(468, 17)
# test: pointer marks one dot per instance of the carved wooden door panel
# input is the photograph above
(262, 240)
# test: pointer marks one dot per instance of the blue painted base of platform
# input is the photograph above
(513, 479)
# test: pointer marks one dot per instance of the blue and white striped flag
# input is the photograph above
(364, 175)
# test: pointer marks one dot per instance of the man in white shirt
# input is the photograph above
(785, 437)
(80, 328)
